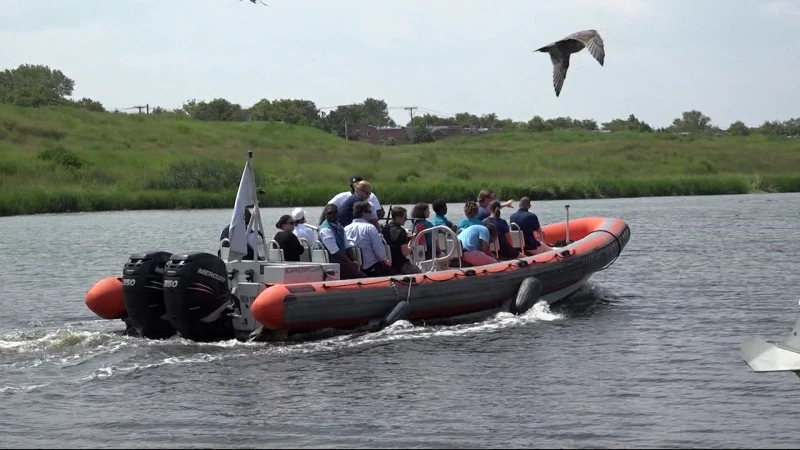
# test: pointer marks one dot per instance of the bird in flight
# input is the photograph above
(259, 1)
(560, 50)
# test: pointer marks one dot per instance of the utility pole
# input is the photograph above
(346, 138)
(410, 110)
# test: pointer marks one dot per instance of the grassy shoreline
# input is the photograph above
(65, 159)
(39, 201)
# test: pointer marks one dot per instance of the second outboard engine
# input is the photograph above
(142, 278)
(198, 298)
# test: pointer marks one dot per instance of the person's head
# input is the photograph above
(494, 209)
(524, 203)
(439, 207)
(362, 209)
(485, 197)
(330, 213)
(285, 223)
(299, 215)
(420, 211)
(363, 188)
(398, 214)
(353, 180)
(470, 209)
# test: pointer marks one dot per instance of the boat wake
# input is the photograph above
(90, 351)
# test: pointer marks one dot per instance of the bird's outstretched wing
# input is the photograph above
(560, 66)
(593, 42)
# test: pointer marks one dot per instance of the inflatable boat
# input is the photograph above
(206, 297)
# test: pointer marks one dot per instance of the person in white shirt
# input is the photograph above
(377, 209)
(332, 236)
(374, 260)
(301, 228)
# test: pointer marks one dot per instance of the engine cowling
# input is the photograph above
(198, 298)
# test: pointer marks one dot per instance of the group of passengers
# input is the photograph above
(352, 218)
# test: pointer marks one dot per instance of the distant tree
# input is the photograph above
(297, 112)
(538, 125)
(420, 134)
(738, 128)
(371, 112)
(630, 124)
(692, 122)
(218, 109)
(34, 85)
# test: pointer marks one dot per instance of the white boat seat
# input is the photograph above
(354, 253)
(388, 249)
(306, 256)
(275, 252)
(517, 239)
(319, 253)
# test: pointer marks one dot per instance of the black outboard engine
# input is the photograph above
(142, 278)
(198, 298)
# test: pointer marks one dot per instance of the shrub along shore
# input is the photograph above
(63, 159)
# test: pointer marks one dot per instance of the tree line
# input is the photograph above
(38, 85)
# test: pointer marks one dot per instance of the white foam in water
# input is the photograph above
(70, 348)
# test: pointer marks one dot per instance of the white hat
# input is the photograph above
(298, 213)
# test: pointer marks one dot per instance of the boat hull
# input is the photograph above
(306, 307)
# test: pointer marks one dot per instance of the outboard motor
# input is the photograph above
(142, 278)
(198, 298)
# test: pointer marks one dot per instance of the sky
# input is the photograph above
(732, 60)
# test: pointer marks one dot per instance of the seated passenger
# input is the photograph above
(252, 237)
(475, 244)
(374, 260)
(419, 215)
(470, 210)
(485, 198)
(301, 229)
(528, 222)
(506, 248)
(397, 239)
(286, 239)
(331, 235)
(440, 209)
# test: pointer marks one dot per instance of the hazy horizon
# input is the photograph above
(730, 60)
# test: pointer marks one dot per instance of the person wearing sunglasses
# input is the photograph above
(292, 248)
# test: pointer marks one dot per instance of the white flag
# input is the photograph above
(246, 196)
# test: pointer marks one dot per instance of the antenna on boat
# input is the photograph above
(567, 237)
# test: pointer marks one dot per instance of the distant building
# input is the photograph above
(377, 135)
(443, 131)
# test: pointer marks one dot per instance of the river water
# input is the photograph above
(650, 358)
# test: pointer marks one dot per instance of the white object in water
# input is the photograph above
(771, 356)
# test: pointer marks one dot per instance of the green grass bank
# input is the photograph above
(62, 159)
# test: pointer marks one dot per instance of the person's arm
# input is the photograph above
(329, 241)
(507, 204)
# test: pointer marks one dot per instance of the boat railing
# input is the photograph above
(445, 247)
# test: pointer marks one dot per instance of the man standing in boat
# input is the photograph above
(339, 198)
(362, 191)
